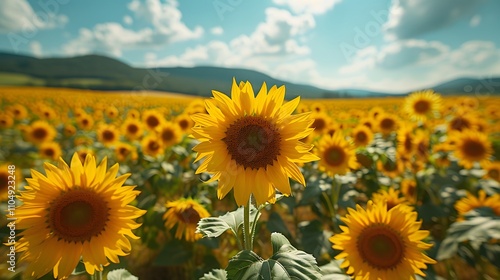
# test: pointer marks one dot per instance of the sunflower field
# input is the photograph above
(248, 185)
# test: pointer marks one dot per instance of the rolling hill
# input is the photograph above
(104, 73)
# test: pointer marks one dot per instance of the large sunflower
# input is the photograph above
(185, 214)
(75, 212)
(377, 243)
(337, 154)
(472, 146)
(251, 143)
(422, 104)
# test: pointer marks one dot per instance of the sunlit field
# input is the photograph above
(393, 186)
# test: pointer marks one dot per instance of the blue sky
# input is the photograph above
(384, 45)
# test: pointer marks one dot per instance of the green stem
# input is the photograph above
(97, 275)
(246, 226)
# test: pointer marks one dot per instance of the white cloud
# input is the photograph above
(217, 30)
(107, 38)
(36, 48)
(425, 64)
(112, 38)
(166, 19)
(18, 15)
(128, 20)
(475, 21)
(308, 6)
(411, 18)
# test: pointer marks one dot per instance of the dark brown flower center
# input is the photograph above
(253, 142)
(334, 155)
(408, 145)
(460, 123)
(318, 124)
(123, 151)
(152, 121)
(132, 128)
(184, 124)
(49, 152)
(422, 106)
(361, 137)
(108, 135)
(387, 124)
(381, 247)
(85, 122)
(153, 146)
(40, 133)
(4, 180)
(78, 215)
(474, 149)
(189, 216)
(167, 135)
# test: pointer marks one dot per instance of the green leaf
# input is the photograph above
(216, 274)
(174, 253)
(477, 231)
(216, 226)
(286, 263)
(332, 271)
(276, 224)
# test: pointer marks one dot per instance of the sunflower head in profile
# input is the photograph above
(422, 104)
(252, 143)
(50, 150)
(185, 214)
(471, 147)
(471, 202)
(405, 140)
(409, 190)
(377, 243)
(39, 132)
(73, 213)
(108, 134)
(361, 136)
(337, 155)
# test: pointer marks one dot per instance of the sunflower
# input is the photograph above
(111, 112)
(420, 105)
(6, 120)
(169, 134)
(391, 168)
(124, 151)
(85, 121)
(75, 212)
(318, 107)
(39, 132)
(471, 202)
(337, 154)
(47, 113)
(377, 243)
(405, 142)
(83, 152)
(367, 122)
(133, 114)
(152, 145)
(252, 143)
(472, 146)
(18, 111)
(321, 122)
(462, 120)
(108, 134)
(152, 119)
(184, 122)
(387, 123)
(132, 128)
(391, 198)
(492, 170)
(185, 213)
(375, 112)
(69, 130)
(441, 154)
(331, 128)
(362, 136)
(50, 150)
(409, 190)
(422, 144)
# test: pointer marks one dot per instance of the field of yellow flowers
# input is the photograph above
(123, 185)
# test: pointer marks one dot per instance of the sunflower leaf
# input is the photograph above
(216, 274)
(286, 263)
(216, 226)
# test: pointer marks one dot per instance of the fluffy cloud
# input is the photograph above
(36, 48)
(217, 30)
(308, 6)
(277, 36)
(18, 15)
(408, 19)
(112, 38)
(426, 64)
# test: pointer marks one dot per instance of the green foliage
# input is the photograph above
(285, 263)
(216, 274)
(216, 226)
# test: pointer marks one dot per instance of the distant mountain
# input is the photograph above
(104, 73)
